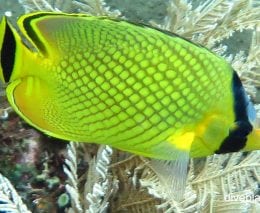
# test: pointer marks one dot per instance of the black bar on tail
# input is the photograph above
(236, 140)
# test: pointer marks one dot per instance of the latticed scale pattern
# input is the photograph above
(129, 84)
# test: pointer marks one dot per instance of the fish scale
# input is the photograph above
(134, 87)
(123, 83)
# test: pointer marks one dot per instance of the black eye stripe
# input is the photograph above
(8, 53)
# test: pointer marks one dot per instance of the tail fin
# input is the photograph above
(253, 141)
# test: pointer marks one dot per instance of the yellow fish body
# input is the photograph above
(136, 88)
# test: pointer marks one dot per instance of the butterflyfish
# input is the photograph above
(137, 88)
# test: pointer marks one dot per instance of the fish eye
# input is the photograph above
(7, 56)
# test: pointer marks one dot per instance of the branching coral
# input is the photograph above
(99, 185)
(94, 7)
(70, 169)
(210, 21)
(10, 201)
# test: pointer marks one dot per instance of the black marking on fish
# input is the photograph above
(32, 34)
(236, 140)
(8, 53)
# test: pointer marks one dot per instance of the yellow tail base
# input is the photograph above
(253, 141)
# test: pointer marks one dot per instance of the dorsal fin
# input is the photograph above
(38, 29)
(35, 29)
